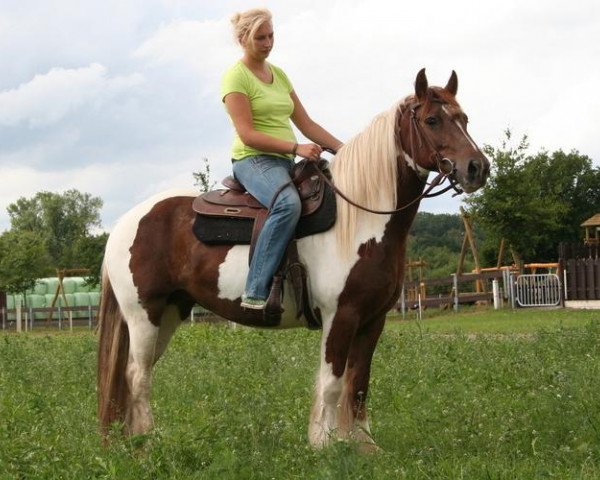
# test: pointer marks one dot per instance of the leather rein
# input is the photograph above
(445, 166)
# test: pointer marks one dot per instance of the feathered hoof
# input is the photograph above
(369, 448)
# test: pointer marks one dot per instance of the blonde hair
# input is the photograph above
(246, 23)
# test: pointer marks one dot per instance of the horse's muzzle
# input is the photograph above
(474, 175)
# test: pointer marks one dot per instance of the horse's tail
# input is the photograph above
(113, 351)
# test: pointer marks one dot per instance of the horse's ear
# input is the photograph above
(452, 85)
(421, 84)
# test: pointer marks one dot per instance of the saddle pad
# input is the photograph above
(222, 230)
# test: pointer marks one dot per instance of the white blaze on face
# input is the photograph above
(460, 127)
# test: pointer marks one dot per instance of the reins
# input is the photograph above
(426, 194)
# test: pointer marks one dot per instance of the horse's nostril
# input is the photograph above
(474, 168)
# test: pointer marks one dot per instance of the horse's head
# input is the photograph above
(433, 134)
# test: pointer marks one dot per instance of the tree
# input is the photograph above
(437, 239)
(202, 177)
(88, 252)
(23, 259)
(61, 220)
(535, 201)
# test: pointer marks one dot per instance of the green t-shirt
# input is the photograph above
(271, 105)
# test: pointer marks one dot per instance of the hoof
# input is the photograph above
(369, 448)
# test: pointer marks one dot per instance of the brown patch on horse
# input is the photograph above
(164, 267)
(371, 290)
(366, 248)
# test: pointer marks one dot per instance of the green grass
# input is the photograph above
(500, 395)
(485, 321)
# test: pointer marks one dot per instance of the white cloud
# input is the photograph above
(120, 97)
(205, 46)
(48, 98)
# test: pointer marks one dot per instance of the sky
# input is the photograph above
(120, 98)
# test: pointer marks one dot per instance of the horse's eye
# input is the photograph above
(431, 121)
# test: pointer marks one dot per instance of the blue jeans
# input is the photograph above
(263, 176)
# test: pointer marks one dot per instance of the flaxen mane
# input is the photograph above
(366, 170)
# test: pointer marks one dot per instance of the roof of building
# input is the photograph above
(592, 221)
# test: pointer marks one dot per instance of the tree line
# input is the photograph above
(51, 231)
(535, 201)
(532, 201)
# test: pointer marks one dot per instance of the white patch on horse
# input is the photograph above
(233, 272)
(232, 281)
(328, 271)
(422, 173)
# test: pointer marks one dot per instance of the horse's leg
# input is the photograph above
(353, 420)
(329, 384)
(143, 337)
(171, 319)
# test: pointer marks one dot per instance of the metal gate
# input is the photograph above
(538, 290)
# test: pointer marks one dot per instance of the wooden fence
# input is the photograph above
(457, 290)
(581, 264)
(27, 319)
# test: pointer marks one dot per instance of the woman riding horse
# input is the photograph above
(155, 269)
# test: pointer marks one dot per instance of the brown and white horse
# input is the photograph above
(155, 269)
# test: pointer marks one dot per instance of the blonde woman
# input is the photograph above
(261, 101)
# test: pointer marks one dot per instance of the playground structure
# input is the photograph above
(519, 284)
(592, 230)
(60, 287)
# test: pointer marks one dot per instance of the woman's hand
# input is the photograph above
(310, 151)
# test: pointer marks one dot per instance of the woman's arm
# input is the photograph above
(238, 106)
(310, 129)
(239, 109)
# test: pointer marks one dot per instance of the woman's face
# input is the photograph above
(260, 44)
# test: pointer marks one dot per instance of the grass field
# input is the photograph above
(490, 395)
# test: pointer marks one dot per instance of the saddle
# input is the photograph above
(232, 216)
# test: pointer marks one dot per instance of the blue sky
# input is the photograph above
(120, 98)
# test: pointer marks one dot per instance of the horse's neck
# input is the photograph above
(409, 188)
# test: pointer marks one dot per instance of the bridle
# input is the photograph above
(445, 166)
